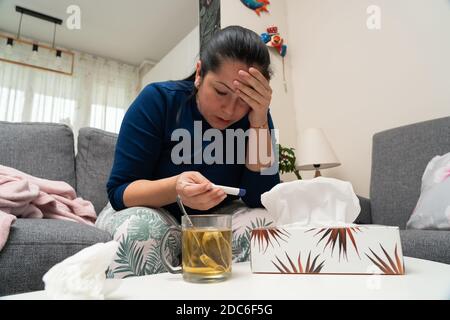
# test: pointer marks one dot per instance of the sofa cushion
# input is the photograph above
(44, 150)
(399, 159)
(35, 245)
(432, 211)
(94, 162)
(426, 244)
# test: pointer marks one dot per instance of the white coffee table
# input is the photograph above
(424, 280)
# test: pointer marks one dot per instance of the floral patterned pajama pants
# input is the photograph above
(139, 231)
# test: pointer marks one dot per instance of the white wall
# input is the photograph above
(178, 63)
(354, 82)
(282, 108)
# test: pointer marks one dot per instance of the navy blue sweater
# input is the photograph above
(144, 147)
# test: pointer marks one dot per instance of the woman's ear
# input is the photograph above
(198, 72)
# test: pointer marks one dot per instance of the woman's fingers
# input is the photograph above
(255, 79)
(248, 100)
(192, 190)
(198, 178)
(250, 93)
(190, 184)
(197, 192)
(213, 201)
(206, 200)
(254, 83)
(254, 89)
(260, 77)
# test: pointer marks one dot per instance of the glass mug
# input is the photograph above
(206, 248)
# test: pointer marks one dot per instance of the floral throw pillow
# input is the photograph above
(433, 208)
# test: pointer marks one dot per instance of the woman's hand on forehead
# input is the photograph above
(255, 90)
(254, 78)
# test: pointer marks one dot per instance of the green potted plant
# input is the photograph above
(287, 161)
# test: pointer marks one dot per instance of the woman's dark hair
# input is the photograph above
(191, 77)
(234, 43)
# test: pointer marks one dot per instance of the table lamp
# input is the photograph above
(315, 152)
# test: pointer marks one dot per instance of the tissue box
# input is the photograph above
(359, 249)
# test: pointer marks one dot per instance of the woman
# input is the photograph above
(230, 92)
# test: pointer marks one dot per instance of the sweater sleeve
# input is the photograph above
(138, 145)
(256, 183)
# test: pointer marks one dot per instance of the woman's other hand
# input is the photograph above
(197, 192)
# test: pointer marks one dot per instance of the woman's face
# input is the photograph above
(216, 98)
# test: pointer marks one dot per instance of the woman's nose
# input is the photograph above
(230, 107)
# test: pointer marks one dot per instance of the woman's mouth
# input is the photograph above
(223, 121)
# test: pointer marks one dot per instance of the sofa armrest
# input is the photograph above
(365, 216)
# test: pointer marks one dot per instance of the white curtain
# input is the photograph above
(96, 95)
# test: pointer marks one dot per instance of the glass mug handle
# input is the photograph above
(166, 264)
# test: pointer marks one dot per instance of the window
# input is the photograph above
(97, 94)
(106, 117)
(52, 109)
(11, 104)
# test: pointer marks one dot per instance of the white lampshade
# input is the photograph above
(314, 149)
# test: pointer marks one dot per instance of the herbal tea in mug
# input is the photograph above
(206, 248)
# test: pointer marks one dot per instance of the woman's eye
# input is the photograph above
(220, 93)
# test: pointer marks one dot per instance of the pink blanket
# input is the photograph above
(25, 196)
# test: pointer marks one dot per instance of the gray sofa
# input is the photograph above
(47, 150)
(399, 158)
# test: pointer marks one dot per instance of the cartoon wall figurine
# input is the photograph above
(257, 5)
(273, 39)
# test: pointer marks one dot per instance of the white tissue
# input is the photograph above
(316, 202)
(83, 275)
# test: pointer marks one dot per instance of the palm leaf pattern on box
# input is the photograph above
(264, 234)
(241, 243)
(388, 266)
(339, 236)
(299, 268)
